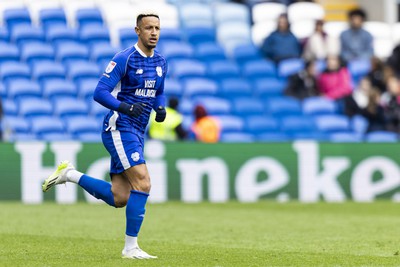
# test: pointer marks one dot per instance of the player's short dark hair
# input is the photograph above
(143, 15)
(357, 12)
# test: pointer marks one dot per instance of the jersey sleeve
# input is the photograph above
(115, 70)
(160, 97)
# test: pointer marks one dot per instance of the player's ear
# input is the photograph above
(137, 30)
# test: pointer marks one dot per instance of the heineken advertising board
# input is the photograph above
(306, 171)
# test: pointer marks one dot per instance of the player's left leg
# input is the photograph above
(139, 178)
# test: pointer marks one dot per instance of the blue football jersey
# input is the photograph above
(135, 78)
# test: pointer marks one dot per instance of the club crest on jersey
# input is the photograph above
(159, 71)
(110, 66)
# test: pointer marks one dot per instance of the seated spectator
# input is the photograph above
(281, 44)
(171, 129)
(303, 84)
(390, 101)
(378, 74)
(356, 43)
(335, 81)
(394, 60)
(319, 45)
(364, 101)
(205, 128)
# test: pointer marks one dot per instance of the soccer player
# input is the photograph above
(131, 86)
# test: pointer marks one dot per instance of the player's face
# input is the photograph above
(149, 31)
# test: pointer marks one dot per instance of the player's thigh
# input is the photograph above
(120, 187)
(138, 177)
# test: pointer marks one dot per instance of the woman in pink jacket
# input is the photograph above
(335, 81)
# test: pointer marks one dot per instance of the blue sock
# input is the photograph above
(135, 210)
(98, 188)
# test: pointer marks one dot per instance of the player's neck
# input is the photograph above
(148, 52)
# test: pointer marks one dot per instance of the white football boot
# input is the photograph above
(136, 253)
(58, 177)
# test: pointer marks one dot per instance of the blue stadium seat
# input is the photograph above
(46, 125)
(22, 137)
(89, 16)
(8, 52)
(177, 50)
(199, 35)
(272, 137)
(359, 68)
(359, 124)
(196, 15)
(9, 107)
(52, 17)
(83, 70)
(246, 52)
(23, 88)
(22, 34)
(71, 51)
(173, 88)
(290, 66)
(4, 35)
(230, 123)
(188, 69)
(231, 12)
(16, 124)
(61, 34)
(209, 52)
(17, 16)
(82, 124)
(315, 136)
(102, 53)
(29, 108)
(237, 138)
(283, 106)
(3, 92)
(89, 137)
(333, 123)
(34, 52)
(55, 88)
(259, 69)
(14, 70)
(199, 87)
(53, 137)
(296, 125)
(186, 107)
(92, 34)
(345, 138)
(98, 111)
(223, 69)
(167, 35)
(128, 37)
(268, 87)
(258, 124)
(233, 34)
(214, 105)
(86, 88)
(319, 106)
(70, 107)
(235, 87)
(382, 137)
(248, 106)
(48, 70)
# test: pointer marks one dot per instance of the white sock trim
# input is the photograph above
(74, 176)
(131, 242)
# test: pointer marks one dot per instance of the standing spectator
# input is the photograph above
(281, 44)
(319, 45)
(391, 103)
(205, 127)
(303, 84)
(364, 101)
(356, 43)
(171, 129)
(335, 81)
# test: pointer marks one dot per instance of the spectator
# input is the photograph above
(335, 81)
(171, 129)
(205, 127)
(281, 44)
(356, 43)
(377, 74)
(364, 101)
(319, 45)
(390, 101)
(394, 60)
(303, 84)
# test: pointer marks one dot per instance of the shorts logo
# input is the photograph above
(159, 71)
(110, 66)
(135, 156)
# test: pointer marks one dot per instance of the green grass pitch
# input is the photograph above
(231, 234)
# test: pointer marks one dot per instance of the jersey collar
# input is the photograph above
(141, 52)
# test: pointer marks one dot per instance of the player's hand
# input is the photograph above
(133, 110)
(161, 113)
